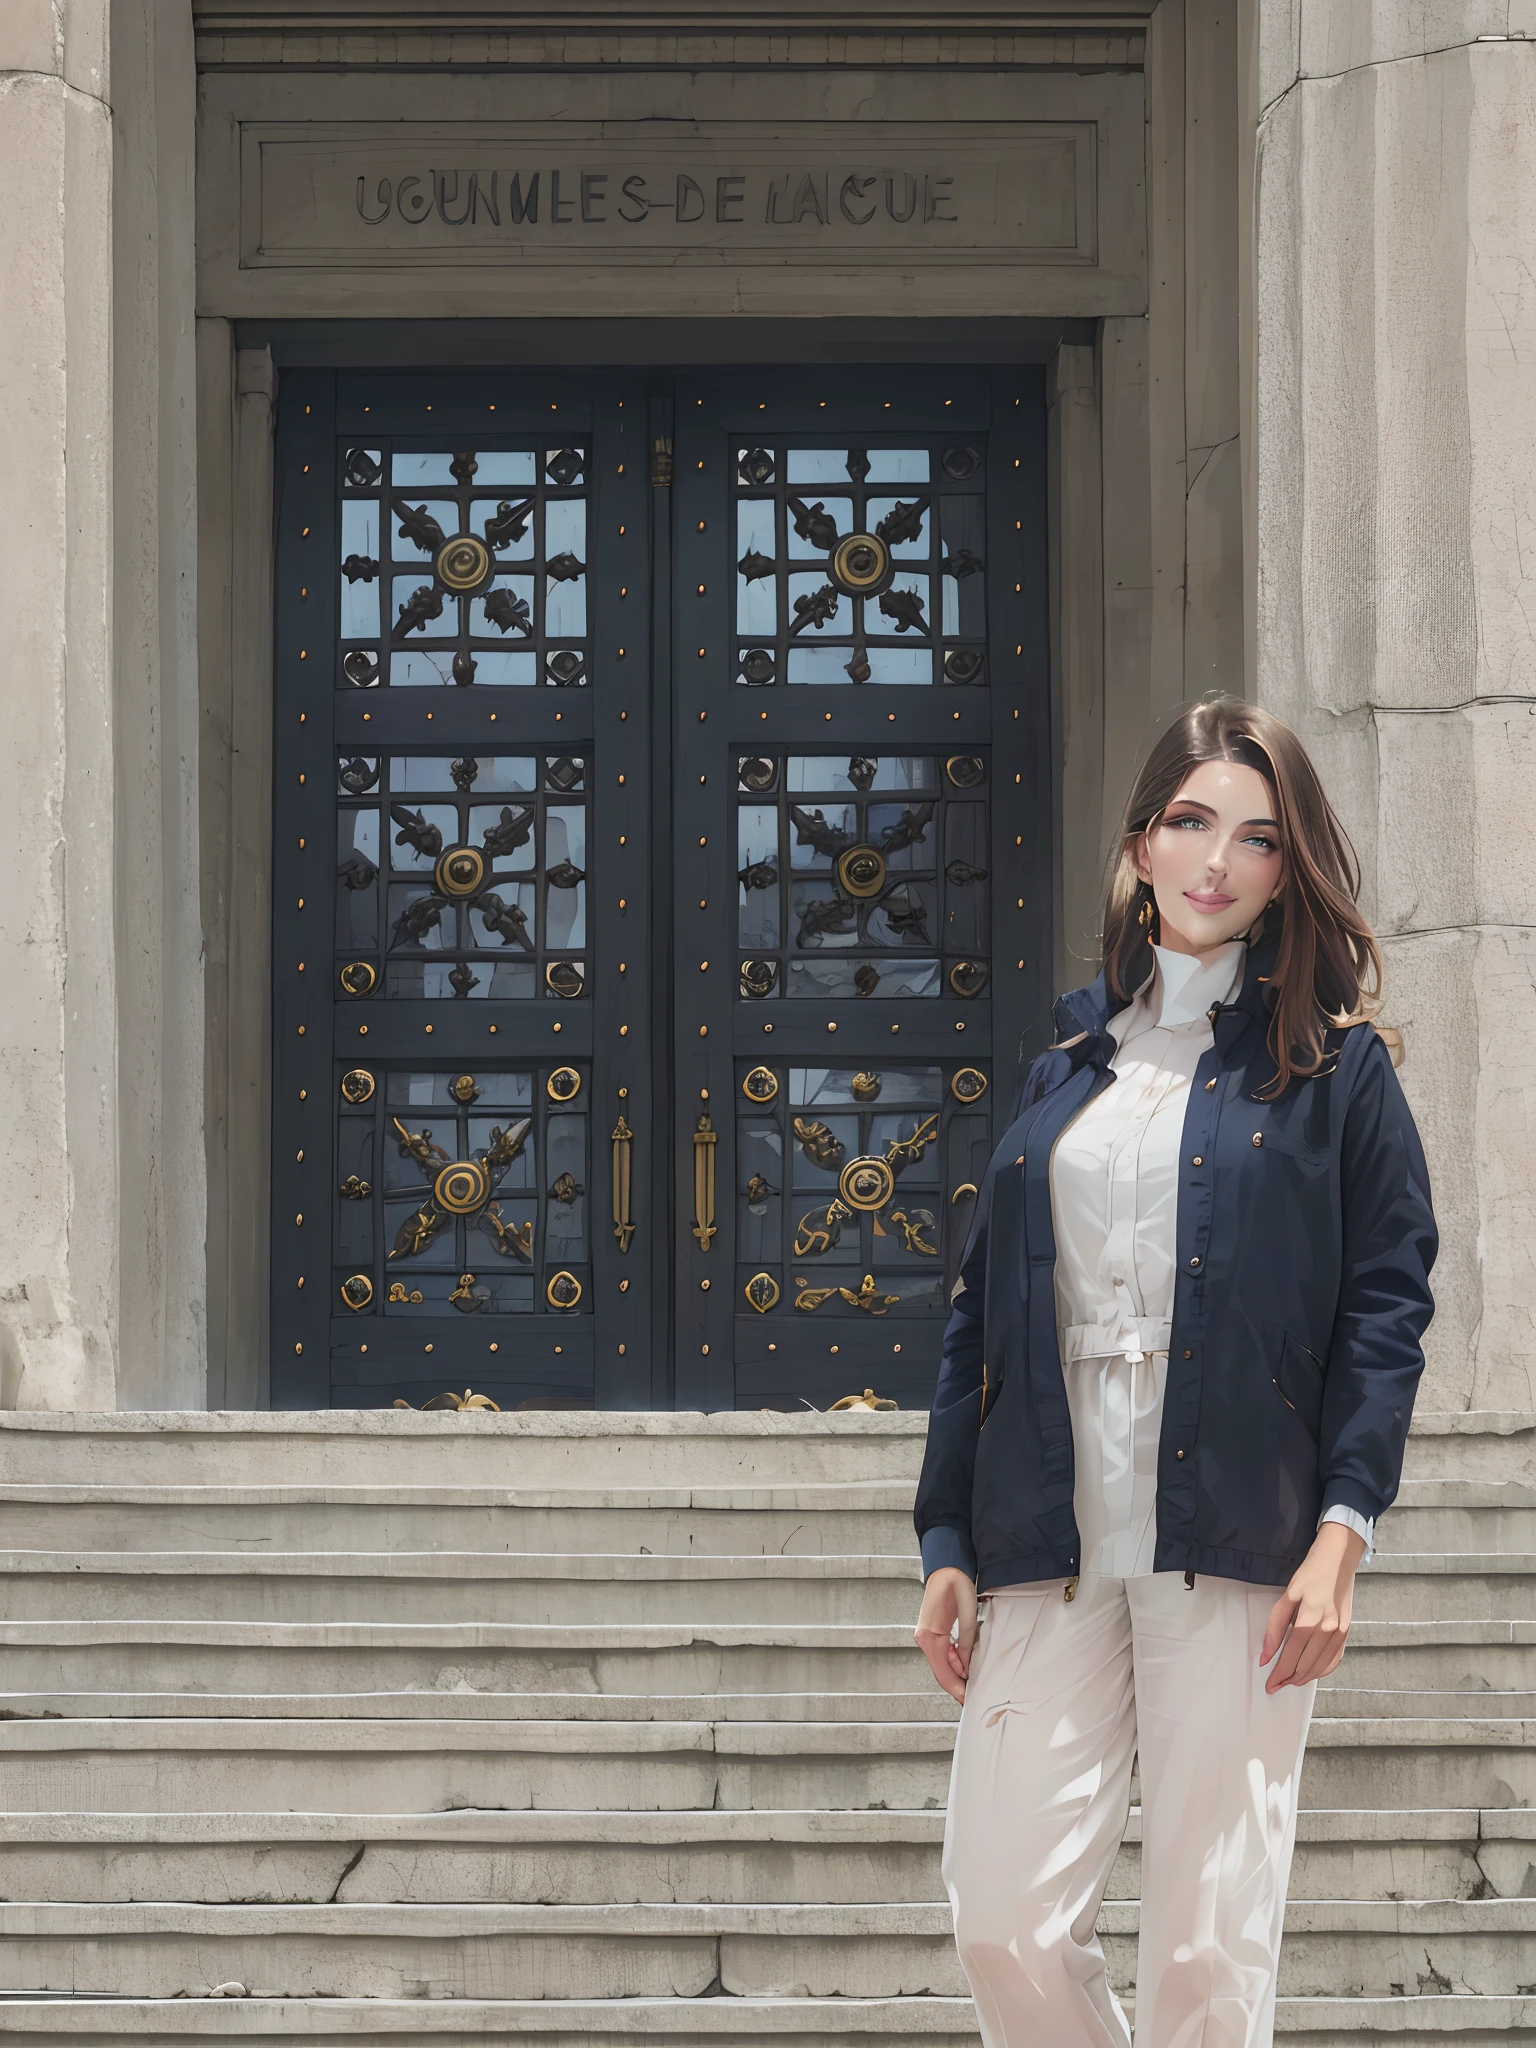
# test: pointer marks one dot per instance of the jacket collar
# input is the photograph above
(1089, 1009)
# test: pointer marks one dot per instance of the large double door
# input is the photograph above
(661, 875)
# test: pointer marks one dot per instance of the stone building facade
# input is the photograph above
(1264, 261)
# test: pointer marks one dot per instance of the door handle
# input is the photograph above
(704, 1135)
(623, 1225)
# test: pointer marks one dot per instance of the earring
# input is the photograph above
(1144, 915)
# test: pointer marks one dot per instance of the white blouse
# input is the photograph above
(1114, 1200)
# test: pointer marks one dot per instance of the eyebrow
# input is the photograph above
(1194, 804)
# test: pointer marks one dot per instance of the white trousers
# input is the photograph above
(1061, 1697)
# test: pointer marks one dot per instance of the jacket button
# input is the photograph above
(1210, 1085)
(1197, 1160)
(1178, 1454)
(1196, 1260)
(1189, 1354)
(1258, 1137)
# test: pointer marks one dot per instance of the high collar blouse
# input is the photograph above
(1114, 1197)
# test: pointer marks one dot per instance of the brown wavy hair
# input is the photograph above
(1327, 973)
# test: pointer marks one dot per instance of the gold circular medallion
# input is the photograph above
(357, 1290)
(463, 564)
(564, 1290)
(861, 870)
(359, 978)
(357, 1086)
(758, 978)
(762, 1291)
(462, 1187)
(866, 1183)
(965, 771)
(563, 1085)
(761, 1085)
(969, 1085)
(460, 871)
(564, 977)
(464, 1088)
(861, 563)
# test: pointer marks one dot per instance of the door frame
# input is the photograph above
(241, 367)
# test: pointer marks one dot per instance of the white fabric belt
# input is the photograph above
(1119, 1337)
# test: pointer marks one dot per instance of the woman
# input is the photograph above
(1177, 1380)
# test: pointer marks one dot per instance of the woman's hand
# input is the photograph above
(946, 1627)
(1315, 1607)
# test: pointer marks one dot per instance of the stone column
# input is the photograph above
(100, 1082)
(1396, 597)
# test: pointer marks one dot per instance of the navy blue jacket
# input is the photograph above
(1305, 1242)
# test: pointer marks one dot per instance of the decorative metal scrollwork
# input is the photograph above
(564, 1290)
(469, 1298)
(965, 771)
(398, 1293)
(512, 1240)
(563, 1085)
(968, 977)
(758, 667)
(865, 1087)
(359, 978)
(360, 469)
(354, 1189)
(464, 565)
(565, 978)
(758, 978)
(761, 1085)
(460, 871)
(962, 665)
(356, 1290)
(867, 1296)
(357, 1085)
(917, 1228)
(820, 1230)
(968, 1085)
(762, 1291)
(464, 1088)
(820, 1144)
(462, 1188)
(566, 1188)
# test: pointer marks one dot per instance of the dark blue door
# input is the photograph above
(661, 876)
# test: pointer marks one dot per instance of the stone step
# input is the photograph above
(1467, 2019)
(476, 1448)
(859, 1517)
(394, 1447)
(463, 1585)
(1334, 1701)
(454, 1586)
(722, 1521)
(220, 1659)
(439, 1765)
(849, 1708)
(584, 1858)
(1388, 1948)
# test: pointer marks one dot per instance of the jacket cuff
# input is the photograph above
(943, 1545)
(1348, 1493)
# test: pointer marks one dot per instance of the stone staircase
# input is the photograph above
(565, 1729)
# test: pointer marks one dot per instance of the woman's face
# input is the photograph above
(1213, 858)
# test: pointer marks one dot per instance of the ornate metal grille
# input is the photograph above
(462, 1191)
(860, 564)
(461, 876)
(477, 558)
(848, 1179)
(861, 875)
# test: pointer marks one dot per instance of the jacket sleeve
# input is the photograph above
(943, 1511)
(1389, 1244)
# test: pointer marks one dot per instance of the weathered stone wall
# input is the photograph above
(1396, 560)
(100, 1039)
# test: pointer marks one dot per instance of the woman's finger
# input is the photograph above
(1281, 1615)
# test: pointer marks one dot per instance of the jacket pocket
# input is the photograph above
(1297, 1374)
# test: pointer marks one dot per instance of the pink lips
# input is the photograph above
(1201, 901)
